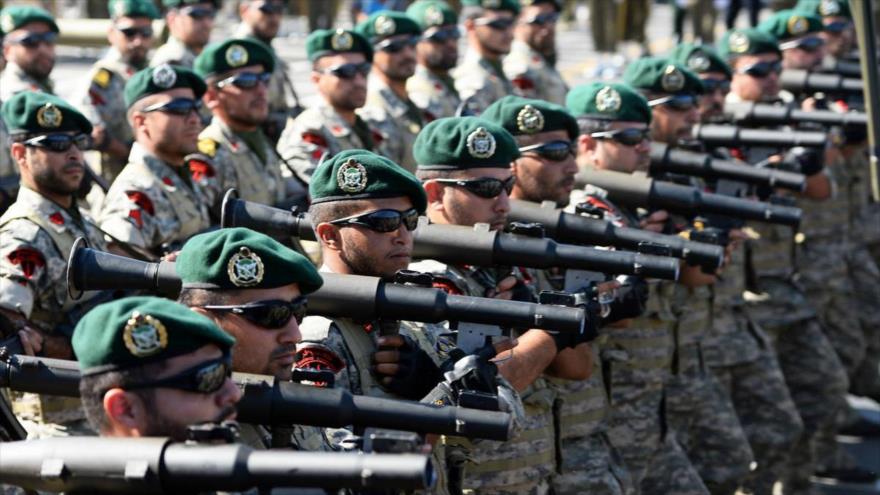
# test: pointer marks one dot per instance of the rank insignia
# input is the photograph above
(481, 143)
(102, 78)
(245, 268)
(144, 335)
(341, 41)
(352, 177)
(672, 79)
(384, 25)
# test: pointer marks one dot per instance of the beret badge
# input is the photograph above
(144, 335)
(698, 62)
(608, 100)
(433, 16)
(245, 268)
(6, 23)
(384, 25)
(829, 8)
(49, 116)
(672, 79)
(341, 41)
(797, 25)
(119, 9)
(738, 43)
(481, 143)
(236, 56)
(352, 177)
(164, 76)
(491, 4)
(530, 120)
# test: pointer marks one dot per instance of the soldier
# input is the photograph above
(480, 78)
(154, 205)
(340, 64)
(131, 37)
(530, 66)
(713, 72)
(388, 108)
(36, 233)
(152, 367)
(545, 134)
(261, 19)
(237, 73)
(431, 88)
(29, 48)
(838, 29)
(189, 27)
(464, 164)
(799, 41)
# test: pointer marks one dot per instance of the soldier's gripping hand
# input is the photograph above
(504, 288)
(655, 222)
(403, 368)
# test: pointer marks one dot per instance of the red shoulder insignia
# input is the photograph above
(377, 136)
(523, 83)
(319, 357)
(137, 217)
(167, 181)
(142, 200)
(96, 98)
(201, 169)
(29, 259)
(57, 218)
(314, 138)
(429, 117)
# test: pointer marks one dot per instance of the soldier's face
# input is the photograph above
(192, 24)
(438, 55)
(35, 57)
(129, 36)
(399, 64)
(537, 25)
(541, 179)
(246, 106)
(457, 206)
(263, 16)
(492, 36)
(54, 172)
(838, 43)
(340, 92)
(800, 59)
(712, 102)
(671, 126)
(754, 88)
(175, 135)
(377, 254)
(607, 154)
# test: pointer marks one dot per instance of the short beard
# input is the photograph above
(359, 263)
(48, 180)
(441, 63)
(345, 102)
(33, 72)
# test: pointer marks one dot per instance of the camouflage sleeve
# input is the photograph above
(475, 92)
(97, 102)
(25, 253)
(215, 173)
(391, 145)
(128, 214)
(302, 144)
(322, 347)
(524, 81)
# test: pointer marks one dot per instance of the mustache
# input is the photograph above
(74, 165)
(283, 350)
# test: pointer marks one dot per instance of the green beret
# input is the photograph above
(787, 24)
(461, 143)
(133, 8)
(510, 5)
(361, 174)
(521, 116)
(608, 101)
(238, 258)
(160, 79)
(173, 4)
(136, 331)
(747, 42)
(225, 56)
(387, 23)
(700, 59)
(659, 75)
(825, 8)
(35, 112)
(557, 4)
(16, 16)
(323, 42)
(432, 13)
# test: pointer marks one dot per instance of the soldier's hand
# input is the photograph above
(386, 359)
(171, 257)
(31, 341)
(655, 222)
(404, 368)
(504, 289)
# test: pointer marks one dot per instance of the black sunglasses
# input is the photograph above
(627, 137)
(133, 32)
(271, 8)
(203, 378)
(555, 151)
(485, 187)
(348, 71)
(808, 44)
(761, 69)
(246, 80)
(837, 27)
(498, 24)
(442, 35)
(712, 84)
(60, 142)
(198, 13)
(383, 221)
(681, 103)
(272, 314)
(178, 106)
(32, 40)
(397, 45)
(542, 19)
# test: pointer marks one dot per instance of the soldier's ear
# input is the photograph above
(329, 236)
(125, 412)
(585, 143)
(434, 190)
(18, 151)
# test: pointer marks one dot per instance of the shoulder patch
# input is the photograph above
(318, 357)
(201, 169)
(208, 146)
(28, 259)
(102, 78)
(316, 138)
(142, 201)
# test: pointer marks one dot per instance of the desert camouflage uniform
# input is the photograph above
(173, 52)
(104, 106)
(480, 82)
(152, 203)
(532, 75)
(278, 107)
(14, 80)
(36, 235)
(434, 95)
(318, 131)
(399, 121)
(237, 165)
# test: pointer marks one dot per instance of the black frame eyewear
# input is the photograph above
(484, 187)
(808, 44)
(628, 137)
(246, 80)
(271, 314)
(132, 32)
(680, 103)
(761, 69)
(32, 40)
(60, 142)
(179, 106)
(204, 378)
(397, 45)
(348, 71)
(383, 221)
(442, 35)
(712, 84)
(497, 23)
(555, 151)
(198, 13)
(836, 27)
(542, 19)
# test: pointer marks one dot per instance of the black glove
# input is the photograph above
(630, 301)
(416, 374)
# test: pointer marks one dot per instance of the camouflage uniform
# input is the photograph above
(104, 106)
(480, 82)
(532, 75)
(152, 203)
(173, 52)
(399, 121)
(318, 131)
(237, 165)
(14, 80)
(36, 236)
(433, 94)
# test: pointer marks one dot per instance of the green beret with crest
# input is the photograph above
(159, 79)
(387, 23)
(432, 13)
(789, 24)
(700, 59)
(749, 41)
(825, 8)
(225, 56)
(323, 42)
(522, 116)
(509, 5)
(32, 112)
(16, 16)
(659, 75)
(133, 8)
(462, 143)
(608, 101)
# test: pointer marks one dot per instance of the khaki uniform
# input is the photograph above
(480, 82)
(103, 104)
(237, 165)
(173, 52)
(319, 131)
(532, 75)
(150, 204)
(434, 95)
(14, 80)
(398, 121)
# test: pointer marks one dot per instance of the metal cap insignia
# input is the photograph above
(119, 9)
(481, 143)
(49, 116)
(797, 25)
(164, 76)
(341, 41)
(384, 25)
(144, 335)
(352, 177)
(608, 100)
(236, 56)
(829, 8)
(698, 61)
(738, 43)
(245, 268)
(672, 79)
(433, 16)
(530, 120)
(6, 23)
